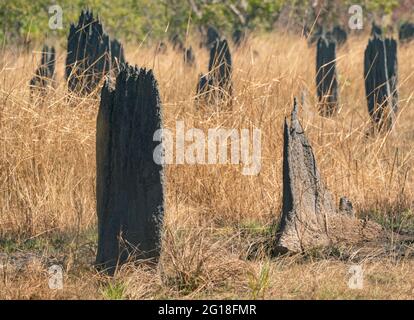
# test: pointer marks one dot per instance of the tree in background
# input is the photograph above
(138, 20)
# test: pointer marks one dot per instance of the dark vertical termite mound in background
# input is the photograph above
(406, 32)
(337, 34)
(45, 73)
(161, 48)
(238, 37)
(381, 79)
(212, 37)
(216, 86)
(340, 35)
(117, 54)
(189, 56)
(326, 77)
(129, 185)
(91, 54)
(220, 65)
(309, 218)
(88, 59)
(314, 34)
(177, 43)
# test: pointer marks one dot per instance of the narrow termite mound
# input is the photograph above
(216, 86)
(45, 74)
(91, 55)
(326, 76)
(129, 185)
(406, 32)
(189, 56)
(340, 35)
(337, 34)
(117, 54)
(309, 218)
(212, 37)
(239, 37)
(381, 79)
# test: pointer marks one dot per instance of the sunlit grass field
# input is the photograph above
(215, 216)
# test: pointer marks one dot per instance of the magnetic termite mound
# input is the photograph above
(117, 54)
(129, 182)
(189, 56)
(89, 57)
(177, 42)
(238, 36)
(406, 32)
(45, 74)
(216, 86)
(326, 76)
(212, 37)
(337, 34)
(309, 218)
(381, 79)
(340, 35)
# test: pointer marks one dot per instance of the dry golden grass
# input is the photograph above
(214, 214)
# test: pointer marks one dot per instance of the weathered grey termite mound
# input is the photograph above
(216, 85)
(326, 77)
(45, 74)
(381, 79)
(309, 217)
(129, 185)
(91, 54)
(406, 32)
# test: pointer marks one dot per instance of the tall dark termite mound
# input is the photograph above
(340, 35)
(238, 36)
(309, 218)
(91, 54)
(117, 54)
(177, 42)
(129, 183)
(212, 37)
(216, 85)
(45, 74)
(189, 56)
(406, 32)
(314, 34)
(381, 79)
(88, 59)
(337, 34)
(326, 78)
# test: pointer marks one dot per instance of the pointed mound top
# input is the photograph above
(309, 218)
(294, 113)
(376, 31)
(86, 19)
(133, 71)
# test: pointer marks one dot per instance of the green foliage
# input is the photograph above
(114, 290)
(136, 20)
(383, 6)
(258, 283)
